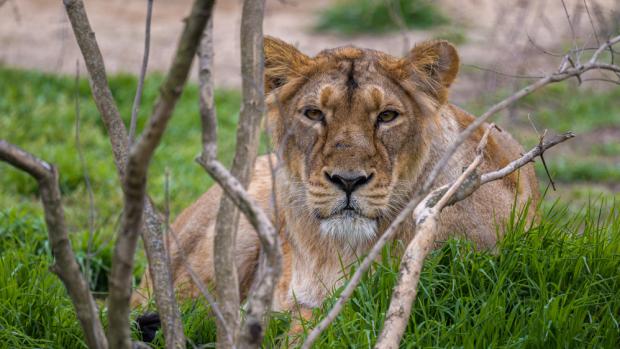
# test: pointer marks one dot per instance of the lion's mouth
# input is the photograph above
(350, 226)
(348, 212)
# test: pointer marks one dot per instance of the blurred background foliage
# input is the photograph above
(376, 16)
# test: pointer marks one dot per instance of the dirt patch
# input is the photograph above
(36, 34)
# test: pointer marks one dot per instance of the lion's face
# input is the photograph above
(352, 128)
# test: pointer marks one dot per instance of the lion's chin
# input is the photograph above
(349, 227)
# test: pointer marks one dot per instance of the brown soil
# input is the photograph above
(36, 34)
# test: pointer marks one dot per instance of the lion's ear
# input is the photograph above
(437, 58)
(282, 62)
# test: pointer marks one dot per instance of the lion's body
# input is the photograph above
(321, 228)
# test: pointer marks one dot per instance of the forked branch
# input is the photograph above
(134, 181)
(564, 72)
(426, 216)
(472, 185)
(65, 264)
(234, 184)
(152, 228)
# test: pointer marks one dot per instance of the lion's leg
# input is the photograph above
(192, 253)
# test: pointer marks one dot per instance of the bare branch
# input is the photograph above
(135, 179)
(145, 62)
(207, 94)
(226, 279)
(260, 298)
(403, 215)
(562, 74)
(570, 24)
(98, 81)
(426, 215)
(199, 284)
(526, 158)
(65, 265)
(269, 269)
(607, 45)
(234, 182)
(594, 31)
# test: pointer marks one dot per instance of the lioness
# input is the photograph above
(358, 131)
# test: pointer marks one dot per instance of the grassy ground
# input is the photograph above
(546, 287)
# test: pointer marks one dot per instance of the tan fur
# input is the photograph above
(351, 86)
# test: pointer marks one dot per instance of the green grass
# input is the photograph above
(37, 113)
(351, 17)
(562, 107)
(555, 285)
(546, 287)
(581, 170)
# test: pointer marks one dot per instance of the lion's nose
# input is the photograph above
(348, 181)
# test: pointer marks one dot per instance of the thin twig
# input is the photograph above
(145, 61)
(594, 31)
(516, 76)
(135, 181)
(570, 24)
(391, 230)
(525, 158)
(89, 188)
(549, 79)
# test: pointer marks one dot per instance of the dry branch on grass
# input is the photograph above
(65, 264)
(426, 216)
(564, 72)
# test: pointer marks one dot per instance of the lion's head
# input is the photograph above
(352, 126)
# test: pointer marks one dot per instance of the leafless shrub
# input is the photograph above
(132, 161)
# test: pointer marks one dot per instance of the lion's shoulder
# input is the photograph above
(501, 149)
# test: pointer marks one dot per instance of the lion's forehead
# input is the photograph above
(368, 92)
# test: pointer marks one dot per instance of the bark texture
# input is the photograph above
(65, 264)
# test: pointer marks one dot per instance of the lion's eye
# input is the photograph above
(314, 114)
(387, 116)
